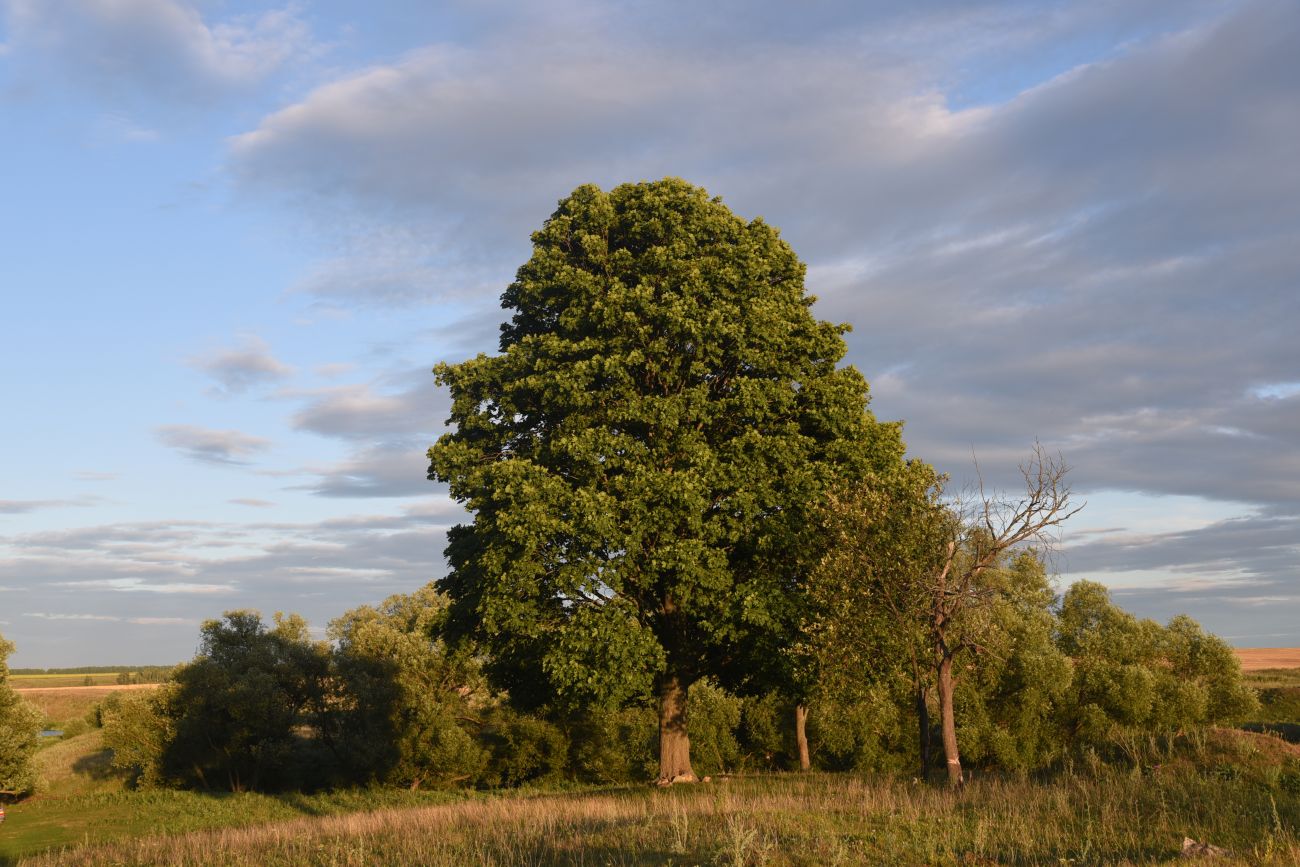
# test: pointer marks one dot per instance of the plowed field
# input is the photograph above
(1255, 658)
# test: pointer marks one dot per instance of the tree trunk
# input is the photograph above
(923, 720)
(674, 744)
(949, 722)
(801, 736)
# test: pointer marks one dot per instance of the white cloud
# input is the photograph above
(241, 367)
(163, 49)
(364, 412)
(21, 507)
(253, 502)
(209, 445)
(48, 616)
(94, 476)
(138, 585)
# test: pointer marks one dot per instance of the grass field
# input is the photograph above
(46, 681)
(99, 814)
(60, 705)
(1237, 791)
(75, 766)
(1273, 678)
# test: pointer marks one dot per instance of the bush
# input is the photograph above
(403, 708)
(522, 749)
(877, 733)
(1279, 705)
(713, 717)
(137, 731)
(766, 733)
(614, 746)
(75, 727)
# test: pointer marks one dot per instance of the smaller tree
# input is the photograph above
(1008, 706)
(137, 730)
(19, 725)
(884, 538)
(406, 703)
(239, 714)
(979, 533)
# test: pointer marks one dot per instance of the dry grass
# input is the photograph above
(61, 704)
(1256, 658)
(1137, 816)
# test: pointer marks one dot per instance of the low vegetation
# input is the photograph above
(103, 811)
(1232, 790)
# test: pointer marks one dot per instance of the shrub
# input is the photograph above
(614, 746)
(713, 719)
(522, 749)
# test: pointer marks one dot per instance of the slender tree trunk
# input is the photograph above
(801, 736)
(923, 721)
(674, 743)
(949, 722)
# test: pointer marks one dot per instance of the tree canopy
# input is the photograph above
(641, 456)
(19, 723)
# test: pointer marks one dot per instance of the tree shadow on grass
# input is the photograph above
(99, 766)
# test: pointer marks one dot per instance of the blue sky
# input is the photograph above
(236, 236)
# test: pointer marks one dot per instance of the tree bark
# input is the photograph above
(923, 721)
(674, 743)
(948, 721)
(801, 736)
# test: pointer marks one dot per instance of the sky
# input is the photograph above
(236, 236)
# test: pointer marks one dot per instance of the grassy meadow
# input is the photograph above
(1235, 790)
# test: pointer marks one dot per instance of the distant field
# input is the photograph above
(42, 681)
(60, 704)
(1256, 658)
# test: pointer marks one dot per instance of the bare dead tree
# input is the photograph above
(981, 529)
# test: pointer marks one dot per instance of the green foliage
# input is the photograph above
(523, 749)
(1134, 675)
(614, 746)
(138, 731)
(714, 720)
(872, 732)
(766, 733)
(403, 708)
(1009, 698)
(883, 538)
(245, 714)
(1279, 704)
(643, 454)
(19, 725)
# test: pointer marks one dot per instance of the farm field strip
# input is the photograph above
(51, 681)
(1256, 658)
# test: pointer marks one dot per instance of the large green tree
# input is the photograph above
(641, 456)
(19, 723)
